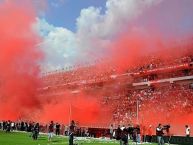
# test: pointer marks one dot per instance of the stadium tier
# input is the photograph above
(154, 81)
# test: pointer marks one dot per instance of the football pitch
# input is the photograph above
(17, 138)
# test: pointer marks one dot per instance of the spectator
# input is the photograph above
(57, 129)
(187, 131)
(159, 133)
(50, 131)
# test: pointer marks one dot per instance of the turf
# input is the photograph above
(16, 138)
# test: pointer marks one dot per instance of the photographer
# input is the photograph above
(159, 133)
(167, 129)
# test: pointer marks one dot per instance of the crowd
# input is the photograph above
(34, 128)
(151, 62)
(158, 99)
(135, 133)
(144, 134)
(105, 72)
(82, 75)
(55, 128)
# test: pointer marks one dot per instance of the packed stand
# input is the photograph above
(167, 97)
(104, 72)
(151, 62)
(79, 75)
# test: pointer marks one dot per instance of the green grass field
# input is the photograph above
(16, 138)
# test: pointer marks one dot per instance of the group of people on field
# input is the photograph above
(122, 133)
(71, 131)
(136, 134)
(160, 133)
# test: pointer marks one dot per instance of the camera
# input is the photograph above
(166, 126)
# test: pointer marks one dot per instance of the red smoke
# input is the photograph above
(20, 80)
(82, 107)
(19, 59)
(129, 48)
(128, 51)
(19, 70)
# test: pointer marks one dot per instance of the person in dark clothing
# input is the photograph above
(71, 132)
(8, 126)
(35, 131)
(124, 137)
(4, 125)
(130, 131)
(22, 126)
(119, 134)
(57, 129)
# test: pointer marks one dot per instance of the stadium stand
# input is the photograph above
(154, 80)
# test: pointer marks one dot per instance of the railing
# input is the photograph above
(170, 80)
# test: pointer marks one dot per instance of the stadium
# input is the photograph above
(122, 77)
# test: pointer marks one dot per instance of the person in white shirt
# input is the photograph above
(187, 131)
(159, 134)
(123, 127)
(111, 131)
(12, 126)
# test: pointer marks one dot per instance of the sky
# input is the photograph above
(63, 13)
(78, 32)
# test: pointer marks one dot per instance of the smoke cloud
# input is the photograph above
(19, 58)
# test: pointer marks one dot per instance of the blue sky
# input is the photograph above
(68, 42)
(63, 13)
